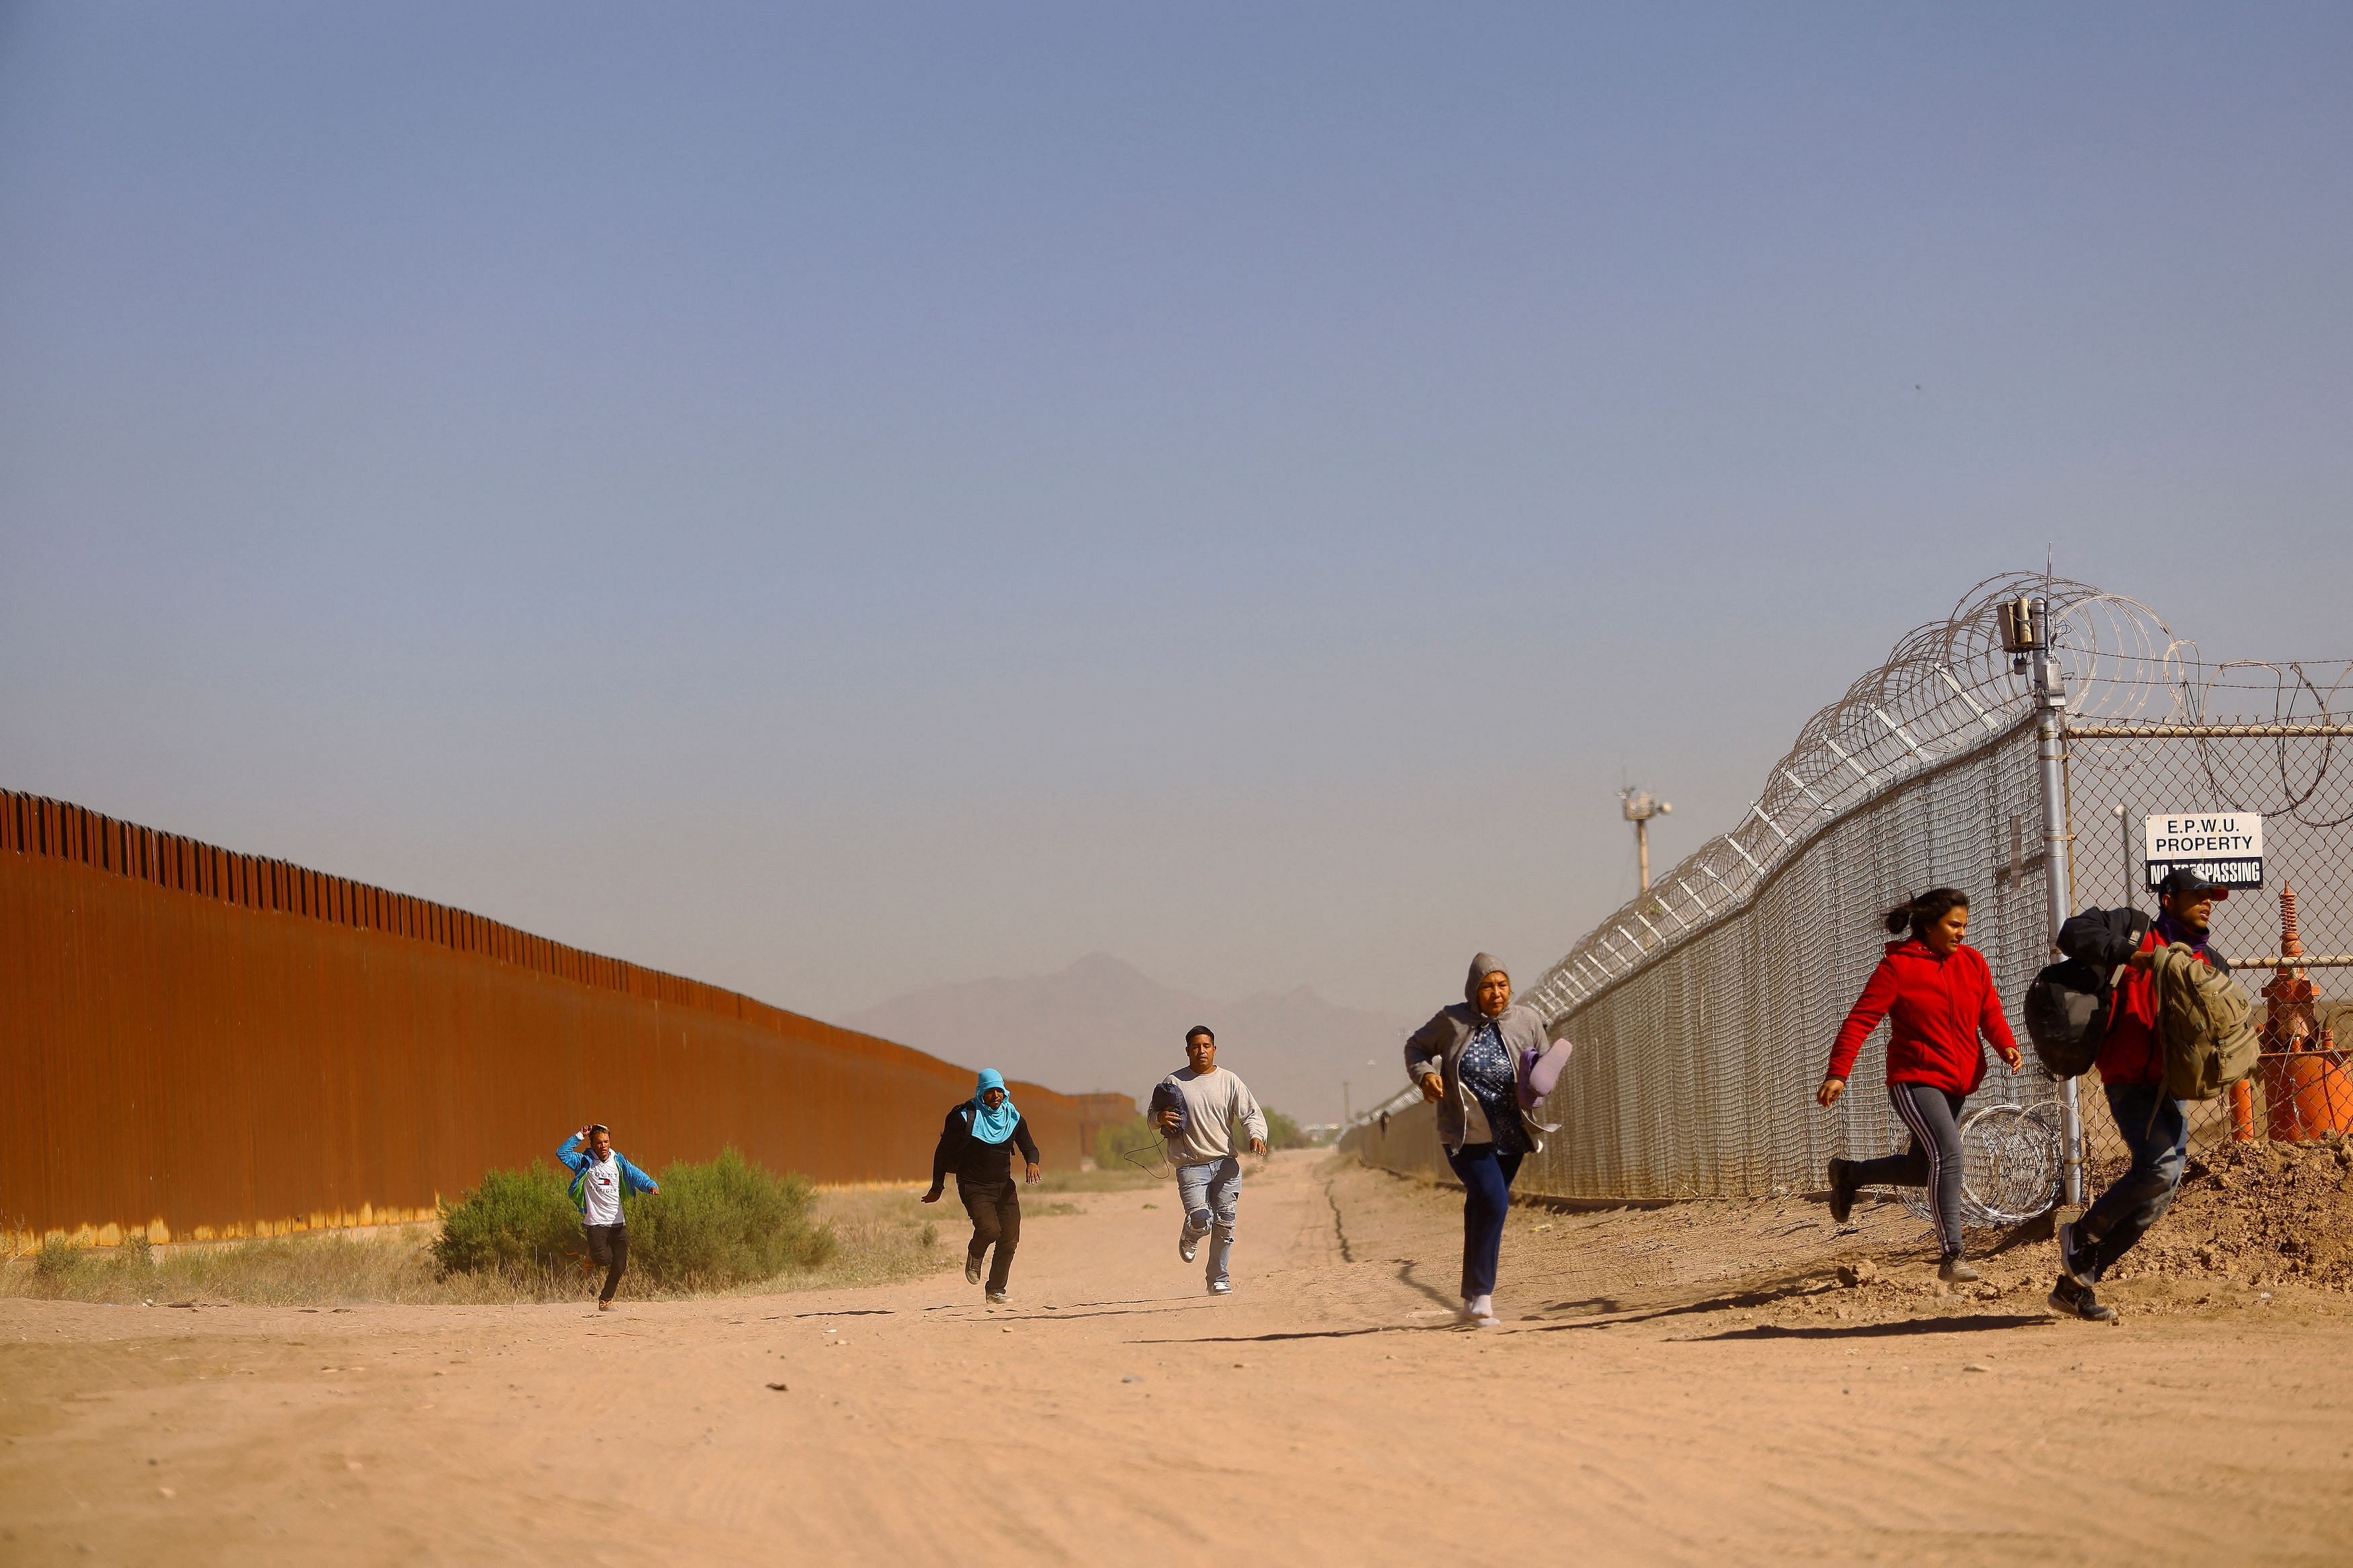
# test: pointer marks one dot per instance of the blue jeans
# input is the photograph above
(1486, 1178)
(2158, 1132)
(1210, 1194)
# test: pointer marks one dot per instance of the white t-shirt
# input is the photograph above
(600, 1189)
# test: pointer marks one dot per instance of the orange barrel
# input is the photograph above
(2309, 1093)
(2242, 1112)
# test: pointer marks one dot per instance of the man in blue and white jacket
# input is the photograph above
(599, 1175)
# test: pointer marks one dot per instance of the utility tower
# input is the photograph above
(1639, 806)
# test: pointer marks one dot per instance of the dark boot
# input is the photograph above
(1843, 1190)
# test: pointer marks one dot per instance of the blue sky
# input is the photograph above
(827, 501)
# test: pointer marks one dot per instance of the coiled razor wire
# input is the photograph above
(2013, 1164)
(1947, 692)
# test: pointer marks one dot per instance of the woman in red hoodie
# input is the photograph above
(1937, 995)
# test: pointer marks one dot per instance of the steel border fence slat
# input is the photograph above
(199, 1042)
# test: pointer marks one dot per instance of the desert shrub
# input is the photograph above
(514, 1223)
(57, 1260)
(723, 1223)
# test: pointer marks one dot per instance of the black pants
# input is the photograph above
(1933, 1162)
(996, 1210)
(609, 1245)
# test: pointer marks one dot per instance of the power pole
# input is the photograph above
(1638, 806)
(2026, 637)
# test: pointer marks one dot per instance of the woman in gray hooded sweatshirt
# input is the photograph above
(1467, 1060)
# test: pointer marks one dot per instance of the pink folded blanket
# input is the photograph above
(1539, 1070)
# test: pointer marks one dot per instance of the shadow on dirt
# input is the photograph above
(1311, 1335)
(1616, 1309)
(1902, 1328)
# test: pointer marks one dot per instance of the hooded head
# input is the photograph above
(1484, 965)
(993, 1124)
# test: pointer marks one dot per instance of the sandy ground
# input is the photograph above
(1683, 1385)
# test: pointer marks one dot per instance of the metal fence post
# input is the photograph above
(2051, 748)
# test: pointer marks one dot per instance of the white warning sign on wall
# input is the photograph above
(2224, 846)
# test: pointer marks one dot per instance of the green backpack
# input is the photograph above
(2205, 1020)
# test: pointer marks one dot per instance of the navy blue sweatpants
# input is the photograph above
(1486, 1178)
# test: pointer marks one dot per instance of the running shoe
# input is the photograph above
(603, 1306)
(1189, 1244)
(971, 1269)
(997, 1297)
(2067, 1255)
(1842, 1186)
(1221, 1287)
(2070, 1300)
(1954, 1271)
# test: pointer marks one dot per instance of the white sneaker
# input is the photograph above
(1221, 1287)
(1189, 1244)
(997, 1297)
(1480, 1313)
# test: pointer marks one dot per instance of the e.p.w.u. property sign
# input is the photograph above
(2224, 846)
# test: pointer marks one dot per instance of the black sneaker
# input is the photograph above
(971, 1269)
(2066, 1239)
(2070, 1300)
(1841, 1190)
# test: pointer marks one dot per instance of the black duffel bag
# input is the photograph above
(2066, 1010)
(2067, 1005)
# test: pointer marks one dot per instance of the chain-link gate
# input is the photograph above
(1702, 1011)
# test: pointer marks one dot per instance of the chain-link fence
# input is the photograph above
(2302, 786)
(1703, 1010)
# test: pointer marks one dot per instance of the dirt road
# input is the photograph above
(1681, 1386)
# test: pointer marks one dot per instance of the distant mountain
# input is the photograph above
(1102, 1025)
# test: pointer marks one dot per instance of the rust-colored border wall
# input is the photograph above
(199, 1043)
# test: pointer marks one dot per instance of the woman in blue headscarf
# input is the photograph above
(977, 1145)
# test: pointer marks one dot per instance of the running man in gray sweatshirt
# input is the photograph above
(1195, 1110)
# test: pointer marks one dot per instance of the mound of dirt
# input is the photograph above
(2262, 1213)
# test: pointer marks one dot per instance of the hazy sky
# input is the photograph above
(826, 500)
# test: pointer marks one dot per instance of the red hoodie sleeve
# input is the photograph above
(1990, 1021)
(1877, 996)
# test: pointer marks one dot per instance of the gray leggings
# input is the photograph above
(1933, 1162)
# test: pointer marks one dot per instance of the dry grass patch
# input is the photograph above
(881, 1236)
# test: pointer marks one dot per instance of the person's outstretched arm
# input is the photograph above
(1253, 1120)
(637, 1181)
(949, 1136)
(1993, 1025)
(1027, 1144)
(1425, 1050)
(563, 1150)
(1869, 1009)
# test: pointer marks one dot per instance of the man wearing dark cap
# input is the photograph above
(2156, 1126)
